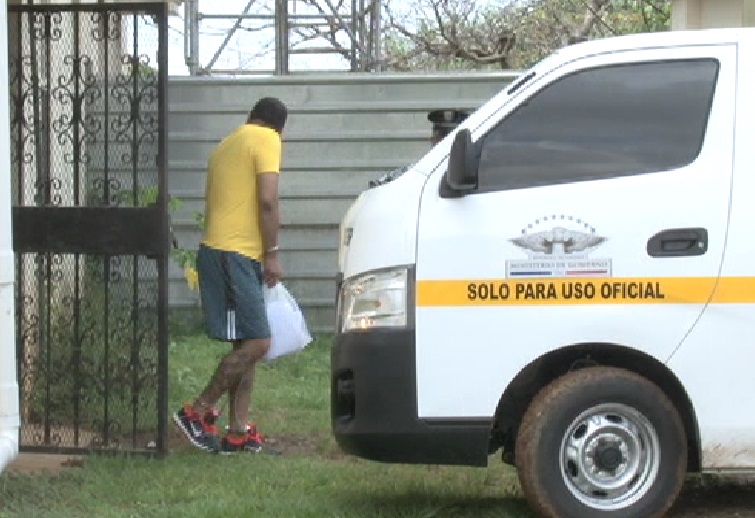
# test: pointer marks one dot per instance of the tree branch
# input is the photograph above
(593, 16)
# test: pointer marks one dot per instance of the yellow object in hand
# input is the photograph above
(192, 278)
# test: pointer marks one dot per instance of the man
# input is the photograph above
(238, 254)
(444, 122)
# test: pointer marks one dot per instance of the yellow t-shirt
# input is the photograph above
(231, 208)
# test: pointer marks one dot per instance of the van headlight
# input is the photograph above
(372, 300)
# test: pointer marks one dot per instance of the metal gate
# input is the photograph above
(88, 131)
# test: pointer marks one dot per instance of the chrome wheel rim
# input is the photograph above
(610, 456)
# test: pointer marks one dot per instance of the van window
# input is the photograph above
(602, 123)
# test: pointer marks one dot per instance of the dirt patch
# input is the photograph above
(61, 436)
(316, 446)
(724, 499)
(717, 499)
(319, 446)
(176, 440)
(38, 463)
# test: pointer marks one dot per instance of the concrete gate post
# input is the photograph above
(711, 14)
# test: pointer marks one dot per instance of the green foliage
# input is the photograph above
(291, 405)
(92, 364)
(102, 357)
(455, 35)
(146, 196)
(630, 16)
(291, 394)
(185, 321)
(186, 258)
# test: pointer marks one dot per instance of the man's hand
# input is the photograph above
(271, 269)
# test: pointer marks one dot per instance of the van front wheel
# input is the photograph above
(601, 442)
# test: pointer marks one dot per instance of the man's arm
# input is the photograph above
(267, 197)
(267, 201)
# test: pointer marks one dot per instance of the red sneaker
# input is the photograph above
(233, 443)
(201, 431)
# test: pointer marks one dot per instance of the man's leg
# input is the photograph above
(235, 375)
(251, 323)
(197, 420)
(232, 394)
(216, 288)
(241, 394)
(234, 307)
(240, 437)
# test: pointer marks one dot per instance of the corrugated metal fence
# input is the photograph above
(343, 131)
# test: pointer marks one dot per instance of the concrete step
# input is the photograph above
(294, 263)
(304, 288)
(319, 312)
(180, 295)
(299, 164)
(309, 237)
(191, 183)
(382, 123)
(304, 237)
(307, 288)
(343, 131)
(236, 113)
(305, 151)
(309, 134)
(44, 464)
(321, 87)
(313, 211)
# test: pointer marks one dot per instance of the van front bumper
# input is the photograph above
(374, 406)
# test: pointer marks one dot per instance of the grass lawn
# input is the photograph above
(312, 478)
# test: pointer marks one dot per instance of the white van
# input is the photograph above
(568, 278)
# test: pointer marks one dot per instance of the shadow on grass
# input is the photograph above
(419, 504)
(715, 498)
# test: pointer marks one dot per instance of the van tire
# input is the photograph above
(621, 411)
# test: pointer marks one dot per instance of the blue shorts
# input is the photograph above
(231, 288)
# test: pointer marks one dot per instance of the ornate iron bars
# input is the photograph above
(89, 172)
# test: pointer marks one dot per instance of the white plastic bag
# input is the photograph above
(288, 329)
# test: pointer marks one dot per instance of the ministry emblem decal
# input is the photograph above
(558, 246)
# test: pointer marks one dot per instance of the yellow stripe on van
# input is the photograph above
(593, 290)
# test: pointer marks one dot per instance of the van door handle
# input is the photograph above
(678, 242)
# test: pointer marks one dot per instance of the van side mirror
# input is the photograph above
(463, 164)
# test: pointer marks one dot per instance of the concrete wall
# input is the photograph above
(9, 421)
(343, 131)
(711, 14)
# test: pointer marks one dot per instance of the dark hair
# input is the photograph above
(271, 112)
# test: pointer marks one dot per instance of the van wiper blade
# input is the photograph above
(387, 177)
